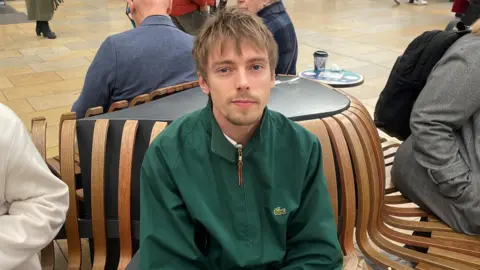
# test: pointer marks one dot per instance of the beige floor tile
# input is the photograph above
(90, 58)
(372, 71)
(53, 101)
(86, 45)
(20, 106)
(55, 57)
(52, 136)
(43, 89)
(34, 78)
(14, 70)
(379, 56)
(5, 83)
(3, 99)
(58, 65)
(44, 50)
(377, 83)
(52, 152)
(52, 116)
(71, 73)
(362, 92)
(370, 101)
(60, 259)
(10, 54)
(7, 62)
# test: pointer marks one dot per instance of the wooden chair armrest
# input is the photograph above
(141, 99)
(94, 111)
(119, 105)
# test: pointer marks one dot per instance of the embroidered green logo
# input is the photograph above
(279, 211)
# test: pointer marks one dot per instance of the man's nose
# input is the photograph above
(242, 81)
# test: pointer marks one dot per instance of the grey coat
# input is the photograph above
(438, 166)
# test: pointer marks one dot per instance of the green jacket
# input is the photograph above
(201, 208)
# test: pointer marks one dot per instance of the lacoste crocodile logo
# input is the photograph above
(279, 211)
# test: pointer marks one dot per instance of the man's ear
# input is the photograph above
(131, 5)
(203, 84)
(169, 9)
(272, 81)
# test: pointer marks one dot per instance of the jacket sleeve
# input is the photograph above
(166, 230)
(312, 242)
(448, 100)
(99, 81)
(38, 202)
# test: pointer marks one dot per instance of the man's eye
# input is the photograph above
(223, 70)
(257, 67)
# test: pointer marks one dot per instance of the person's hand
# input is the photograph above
(204, 8)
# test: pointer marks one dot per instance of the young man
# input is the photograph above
(235, 185)
(279, 23)
(33, 202)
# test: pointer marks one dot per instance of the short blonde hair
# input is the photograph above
(238, 26)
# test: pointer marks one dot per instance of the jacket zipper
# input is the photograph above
(240, 163)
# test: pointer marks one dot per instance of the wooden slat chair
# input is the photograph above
(447, 250)
(336, 151)
(332, 152)
(119, 105)
(98, 223)
(139, 100)
(162, 92)
(39, 134)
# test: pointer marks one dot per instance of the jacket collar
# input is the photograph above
(274, 8)
(220, 145)
(157, 20)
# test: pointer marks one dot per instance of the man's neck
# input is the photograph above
(149, 13)
(240, 134)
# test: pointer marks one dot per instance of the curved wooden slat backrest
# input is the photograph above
(367, 176)
(317, 127)
(348, 211)
(365, 216)
(94, 111)
(171, 89)
(39, 134)
(67, 172)
(124, 192)
(157, 128)
(119, 105)
(141, 99)
(473, 249)
(97, 189)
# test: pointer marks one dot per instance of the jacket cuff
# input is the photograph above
(450, 172)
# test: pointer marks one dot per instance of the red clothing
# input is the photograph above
(182, 7)
(460, 6)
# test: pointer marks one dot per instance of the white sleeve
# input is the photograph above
(37, 201)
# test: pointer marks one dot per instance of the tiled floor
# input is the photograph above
(41, 77)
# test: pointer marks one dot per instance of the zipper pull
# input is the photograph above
(240, 163)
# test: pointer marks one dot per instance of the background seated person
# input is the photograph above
(190, 15)
(438, 166)
(279, 23)
(215, 192)
(33, 202)
(154, 55)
